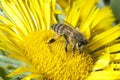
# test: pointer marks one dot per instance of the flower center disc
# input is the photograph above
(52, 61)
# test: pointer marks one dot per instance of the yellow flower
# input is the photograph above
(25, 32)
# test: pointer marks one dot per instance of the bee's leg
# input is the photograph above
(81, 49)
(73, 48)
(66, 43)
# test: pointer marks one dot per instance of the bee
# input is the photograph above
(71, 35)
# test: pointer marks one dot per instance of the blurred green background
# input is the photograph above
(115, 5)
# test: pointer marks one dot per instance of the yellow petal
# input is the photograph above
(115, 48)
(103, 19)
(104, 75)
(115, 57)
(34, 75)
(20, 71)
(103, 60)
(104, 38)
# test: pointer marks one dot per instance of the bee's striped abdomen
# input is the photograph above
(58, 28)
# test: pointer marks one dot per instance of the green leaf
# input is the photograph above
(6, 61)
(3, 73)
(115, 5)
(60, 17)
(7, 65)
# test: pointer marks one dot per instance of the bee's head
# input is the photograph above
(84, 42)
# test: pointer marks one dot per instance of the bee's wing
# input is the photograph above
(67, 23)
